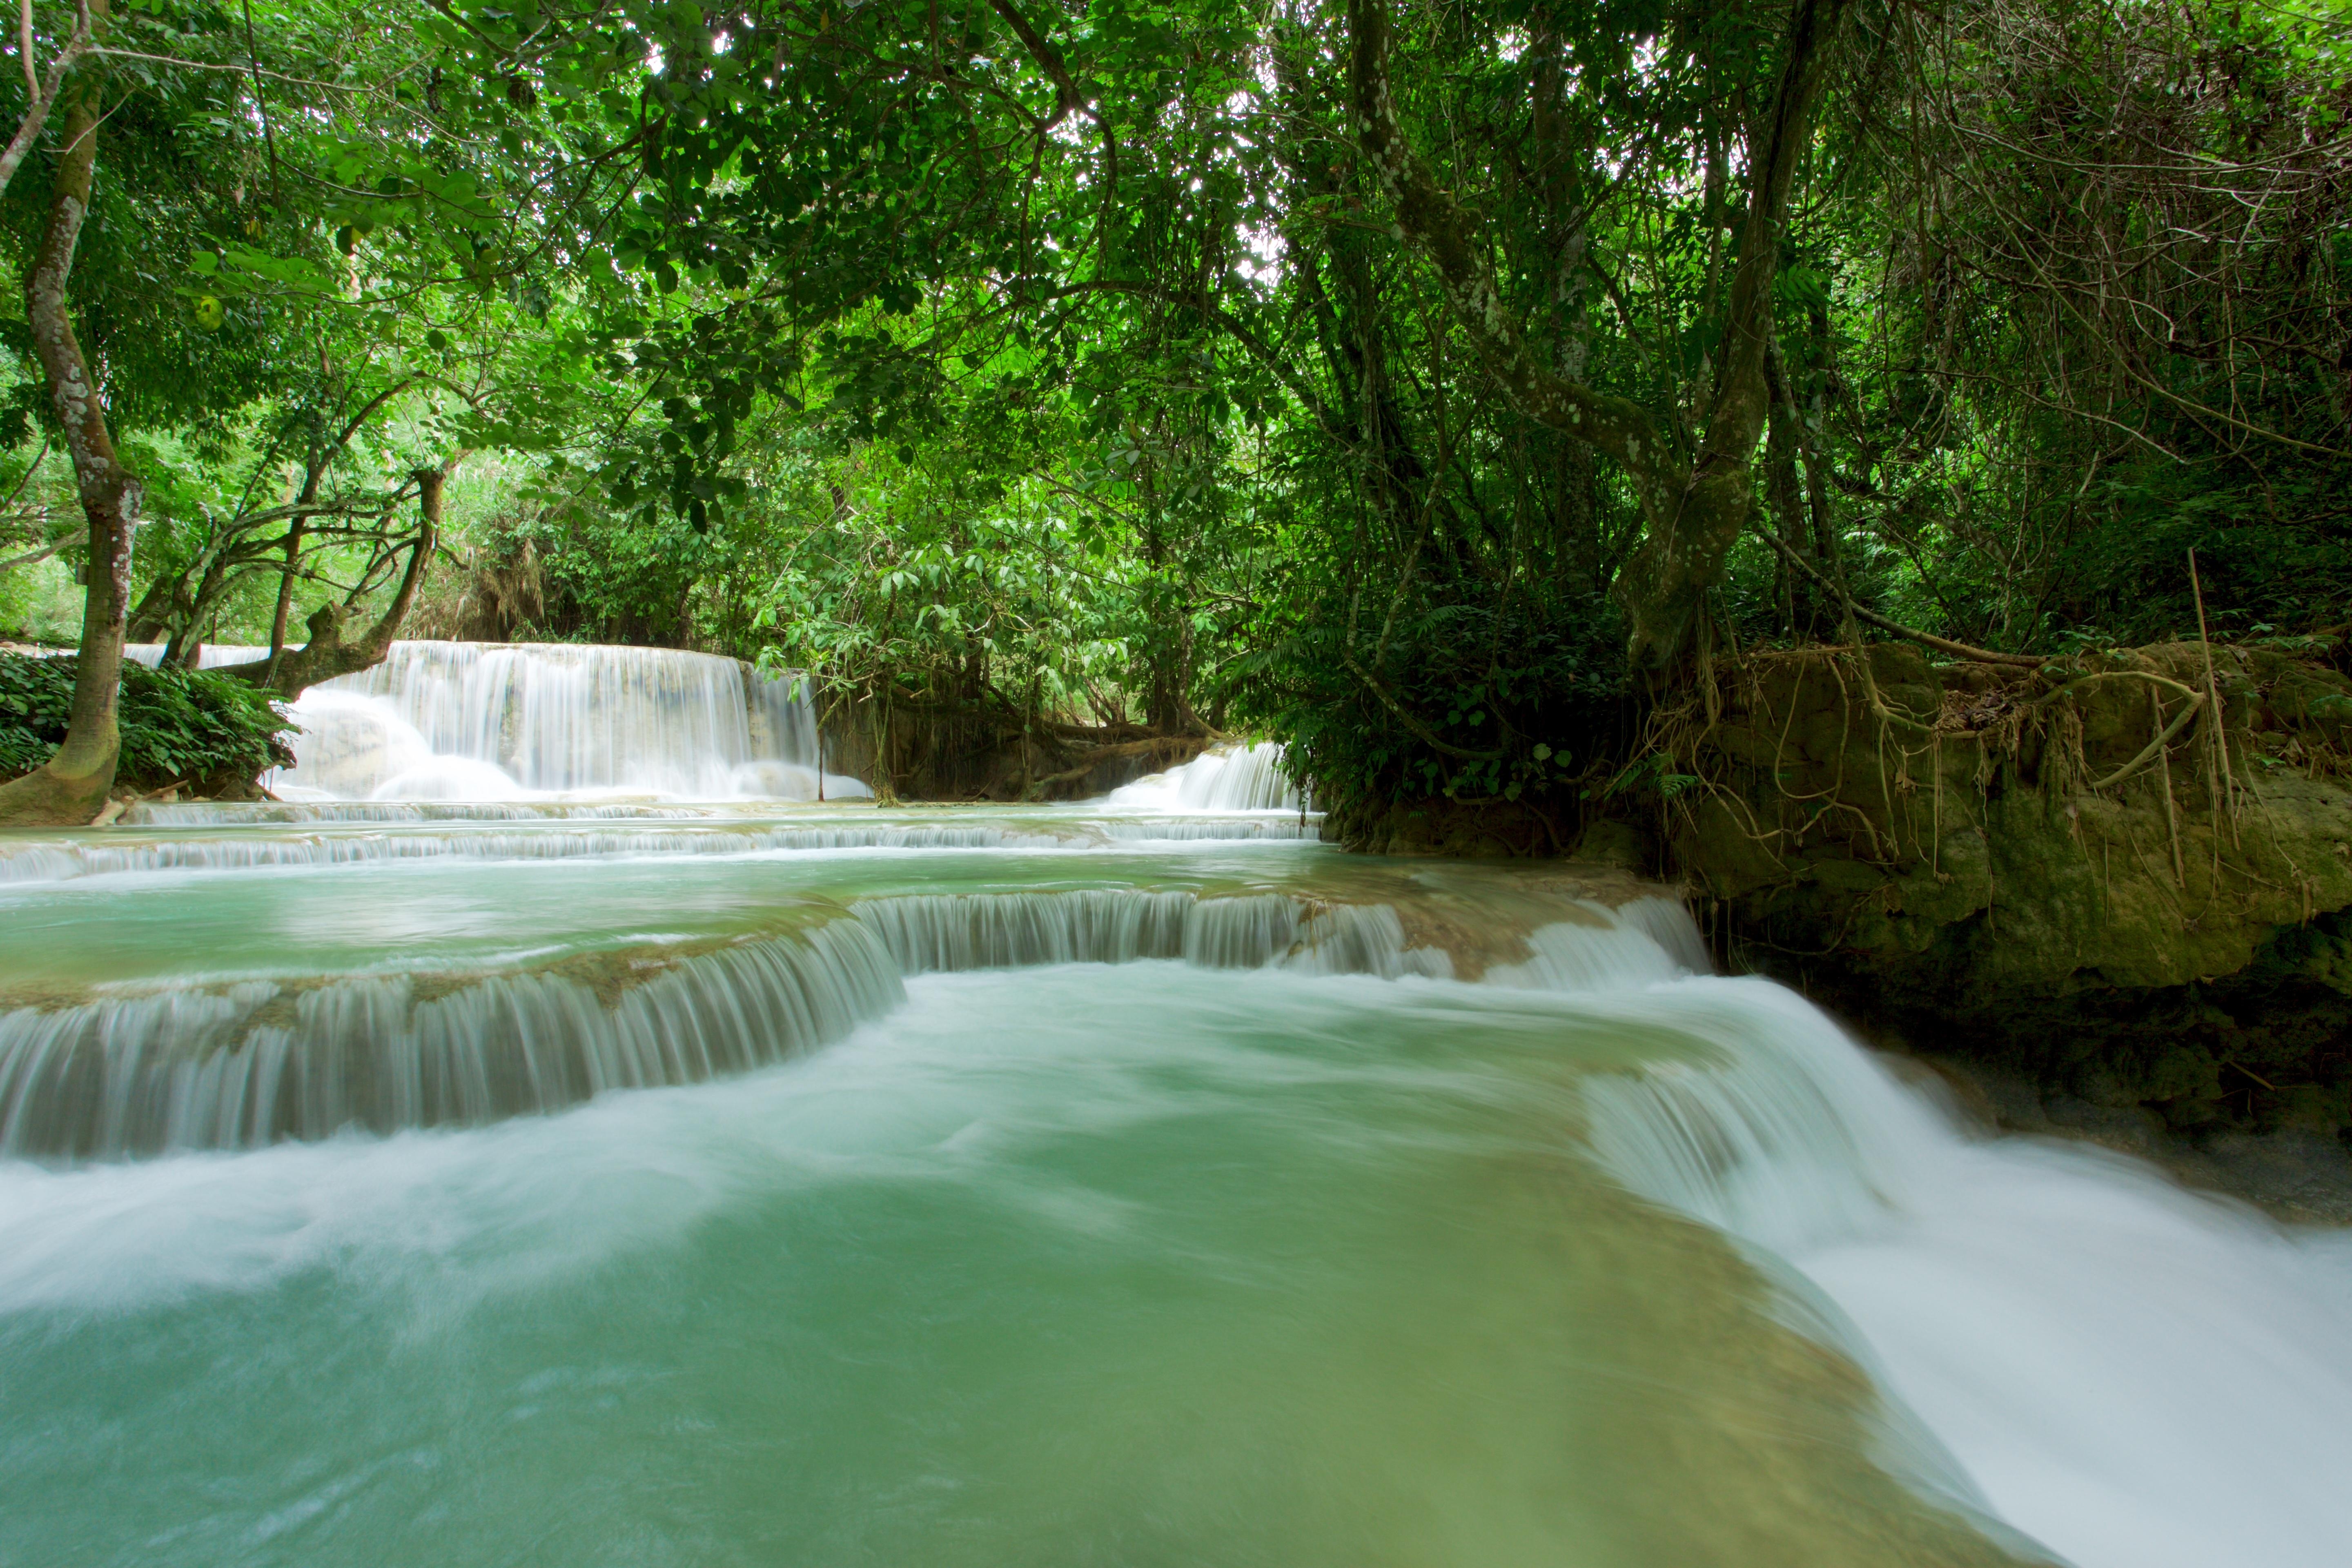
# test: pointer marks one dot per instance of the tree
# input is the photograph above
(72, 785)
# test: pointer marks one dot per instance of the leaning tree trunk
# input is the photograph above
(1693, 513)
(71, 786)
(327, 654)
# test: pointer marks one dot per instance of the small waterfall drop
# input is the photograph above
(488, 722)
(2136, 1376)
(243, 1062)
(1229, 778)
(1007, 930)
(255, 1062)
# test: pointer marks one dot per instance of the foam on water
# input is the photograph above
(2136, 1376)
(119, 851)
(1291, 1274)
(556, 1195)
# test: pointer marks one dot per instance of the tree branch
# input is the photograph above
(1429, 217)
(41, 94)
(1942, 645)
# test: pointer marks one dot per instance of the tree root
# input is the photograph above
(2149, 751)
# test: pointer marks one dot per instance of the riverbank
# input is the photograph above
(2123, 883)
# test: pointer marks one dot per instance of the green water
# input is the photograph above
(1126, 1265)
(452, 914)
(1338, 1213)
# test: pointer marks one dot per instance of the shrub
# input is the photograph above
(179, 726)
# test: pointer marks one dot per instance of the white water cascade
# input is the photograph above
(2135, 1376)
(258, 1062)
(1230, 778)
(490, 721)
(506, 957)
(252, 1062)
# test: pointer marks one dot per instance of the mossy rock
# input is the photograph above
(1939, 863)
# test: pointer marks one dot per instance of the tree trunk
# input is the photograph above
(45, 91)
(1683, 555)
(294, 530)
(159, 609)
(327, 654)
(187, 649)
(71, 786)
(1788, 516)
(1694, 514)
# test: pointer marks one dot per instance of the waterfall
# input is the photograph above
(259, 1061)
(1230, 778)
(455, 721)
(251, 1062)
(1642, 941)
(2136, 1376)
(1005, 931)
(2059, 1342)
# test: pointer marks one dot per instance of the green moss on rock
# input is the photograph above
(1965, 858)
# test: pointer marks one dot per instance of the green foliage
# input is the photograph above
(178, 726)
(1088, 382)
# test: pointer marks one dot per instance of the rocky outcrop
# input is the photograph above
(1477, 830)
(2126, 878)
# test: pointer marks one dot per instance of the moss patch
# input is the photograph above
(2092, 874)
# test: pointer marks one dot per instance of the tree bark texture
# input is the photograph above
(71, 786)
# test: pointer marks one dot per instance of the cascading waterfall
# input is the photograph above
(251, 1063)
(387, 813)
(1228, 778)
(2135, 1377)
(283, 1078)
(455, 721)
(246, 1063)
(1010, 931)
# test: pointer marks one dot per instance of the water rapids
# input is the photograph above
(698, 1180)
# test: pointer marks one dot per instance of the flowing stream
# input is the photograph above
(697, 1178)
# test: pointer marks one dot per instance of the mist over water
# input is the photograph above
(541, 1180)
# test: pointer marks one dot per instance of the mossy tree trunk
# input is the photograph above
(71, 786)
